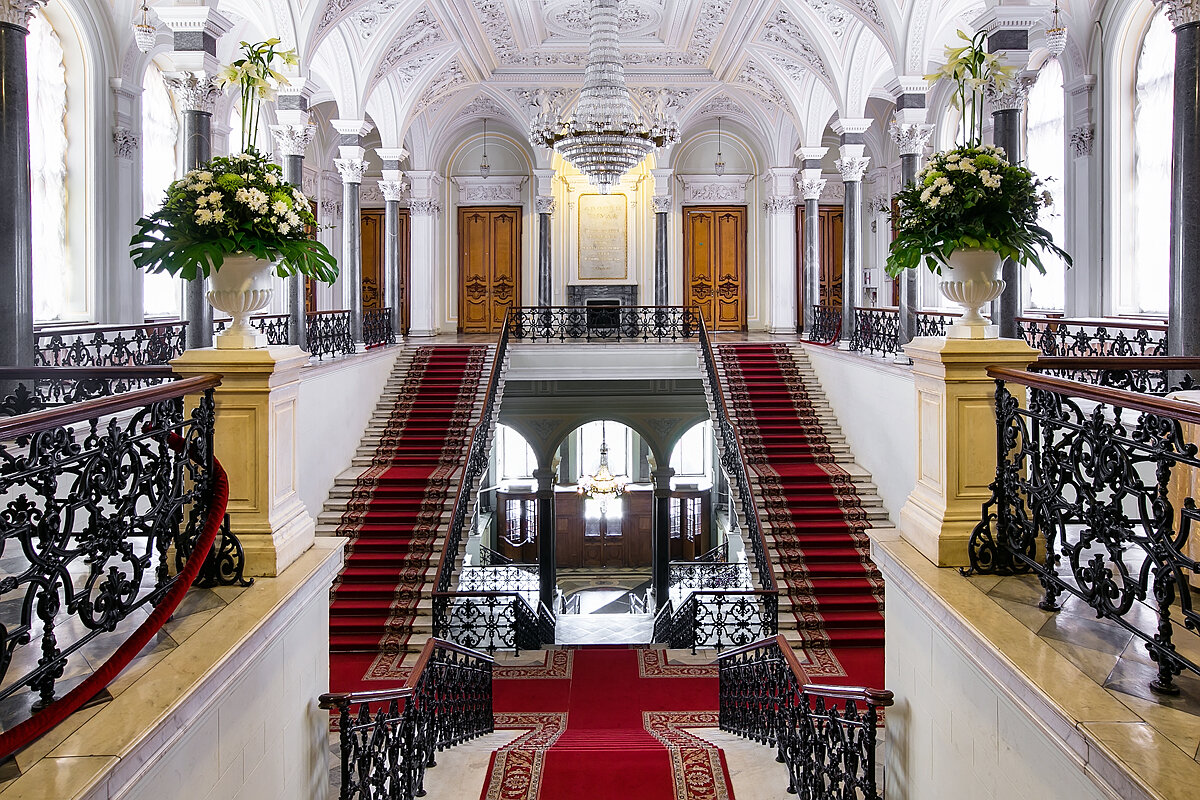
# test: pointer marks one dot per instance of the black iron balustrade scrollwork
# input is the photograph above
(377, 327)
(1094, 495)
(826, 736)
(521, 578)
(388, 739)
(935, 323)
(876, 330)
(1144, 375)
(603, 323)
(827, 324)
(329, 333)
(28, 389)
(97, 497)
(689, 575)
(487, 621)
(273, 326)
(1100, 337)
(718, 554)
(490, 558)
(718, 619)
(110, 345)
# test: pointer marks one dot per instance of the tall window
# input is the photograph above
(1152, 124)
(693, 453)
(160, 136)
(514, 457)
(55, 288)
(1045, 145)
(617, 436)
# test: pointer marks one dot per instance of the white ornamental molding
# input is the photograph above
(662, 204)
(811, 188)
(1013, 98)
(194, 91)
(911, 138)
(780, 204)
(545, 205)
(714, 188)
(424, 207)
(331, 208)
(292, 140)
(393, 191)
(1082, 139)
(18, 12)
(125, 143)
(1180, 12)
(475, 189)
(852, 169)
(351, 169)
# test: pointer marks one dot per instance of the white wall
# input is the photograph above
(335, 404)
(874, 402)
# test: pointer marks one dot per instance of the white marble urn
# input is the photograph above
(240, 287)
(971, 278)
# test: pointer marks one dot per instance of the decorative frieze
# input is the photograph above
(18, 12)
(293, 140)
(911, 138)
(424, 207)
(780, 204)
(331, 208)
(811, 188)
(495, 189)
(714, 188)
(194, 91)
(351, 169)
(393, 191)
(852, 168)
(1082, 138)
(125, 143)
(545, 205)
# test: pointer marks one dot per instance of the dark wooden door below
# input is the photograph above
(622, 541)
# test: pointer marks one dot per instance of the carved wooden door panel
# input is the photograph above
(714, 245)
(831, 255)
(371, 232)
(489, 264)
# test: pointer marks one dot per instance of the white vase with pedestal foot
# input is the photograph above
(240, 287)
(971, 278)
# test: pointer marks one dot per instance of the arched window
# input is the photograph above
(692, 456)
(160, 137)
(55, 289)
(514, 457)
(1045, 145)
(1152, 125)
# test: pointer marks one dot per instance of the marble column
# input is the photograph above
(545, 209)
(910, 139)
(811, 184)
(291, 141)
(393, 193)
(852, 168)
(351, 170)
(662, 232)
(661, 542)
(16, 221)
(1183, 317)
(547, 568)
(1008, 132)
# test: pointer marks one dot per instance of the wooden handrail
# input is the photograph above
(1135, 401)
(1098, 322)
(83, 329)
(33, 422)
(77, 373)
(874, 697)
(1094, 363)
(337, 699)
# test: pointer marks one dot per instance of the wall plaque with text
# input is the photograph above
(602, 237)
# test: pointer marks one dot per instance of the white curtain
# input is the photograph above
(160, 135)
(1046, 146)
(1152, 122)
(52, 281)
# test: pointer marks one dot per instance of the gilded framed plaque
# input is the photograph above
(603, 240)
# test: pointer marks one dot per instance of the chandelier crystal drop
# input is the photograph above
(1056, 34)
(605, 137)
(485, 168)
(602, 485)
(144, 31)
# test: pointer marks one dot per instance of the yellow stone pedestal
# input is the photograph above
(956, 440)
(256, 443)
(1185, 481)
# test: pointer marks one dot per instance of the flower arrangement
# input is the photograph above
(971, 196)
(233, 204)
(256, 81)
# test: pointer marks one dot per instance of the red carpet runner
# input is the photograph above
(606, 723)
(393, 516)
(813, 512)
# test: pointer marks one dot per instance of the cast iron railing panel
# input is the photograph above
(387, 739)
(826, 736)
(505, 578)
(718, 619)
(1098, 482)
(110, 345)
(273, 326)
(876, 330)
(603, 323)
(1103, 338)
(827, 324)
(488, 621)
(1144, 375)
(28, 389)
(690, 575)
(934, 323)
(329, 333)
(377, 327)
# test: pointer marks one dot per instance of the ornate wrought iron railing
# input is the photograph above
(389, 738)
(105, 501)
(718, 619)
(29, 389)
(377, 327)
(110, 345)
(485, 620)
(690, 575)
(825, 735)
(490, 558)
(876, 330)
(603, 323)
(329, 333)
(934, 323)
(827, 324)
(1095, 494)
(521, 578)
(1145, 375)
(1093, 337)
(273, 326)
(718, 554)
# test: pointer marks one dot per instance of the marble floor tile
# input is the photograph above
(1133, 677)
(1179, 726)
(604, 629)
(1090, 633)
(1095, 664)
(753, 770)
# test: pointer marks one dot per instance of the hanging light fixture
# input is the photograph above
(485, 168)
(602, 485)
(144, 31)
(605, 137)
(719, 164)
(1056, 34)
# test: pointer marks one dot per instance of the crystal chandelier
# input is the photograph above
(485, 168)
(605, 137)
(144, 31)
(1056, 34)
(602, 486)
(719, 164)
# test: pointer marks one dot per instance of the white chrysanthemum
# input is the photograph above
(272, 180)
(941, 181)
(933, 203)
(202, 200)
(204, 177)
(953, 157)
(967, 166)
(218, 215)
(947, 189)
(203, 216)
(293, 219)
(284, 228)
(279, 207)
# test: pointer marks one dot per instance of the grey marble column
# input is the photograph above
(910, 139)
(661, 542)
(811, 189)
(1183, 314)
(352, 170)
(291, 141)
(16, 222)
(662, 213)
(547, 568)
(1007, 132)
(545, 208)
(852, 169)
(392, 191)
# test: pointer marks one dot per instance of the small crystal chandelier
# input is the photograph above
(602, 486)
(144, 31)
(605, 137)
(1056, 34)
(485, 168)
(719, 164)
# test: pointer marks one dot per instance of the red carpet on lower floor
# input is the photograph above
(394, 516)
(810, 506)
(607, 723)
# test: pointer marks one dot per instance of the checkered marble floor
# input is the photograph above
(604, 629)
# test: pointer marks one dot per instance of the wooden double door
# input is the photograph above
(371, 228)
(612, 541)
(830, 232)
(714, 264)
(489, 266)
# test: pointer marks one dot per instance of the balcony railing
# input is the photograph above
(1095, 494)
(377, 327)
(273, 326)
(718, 619)
(110, 345)
(603, 323)
(876, 330)
(827, 324)
(1093, 337)
(329, 333)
